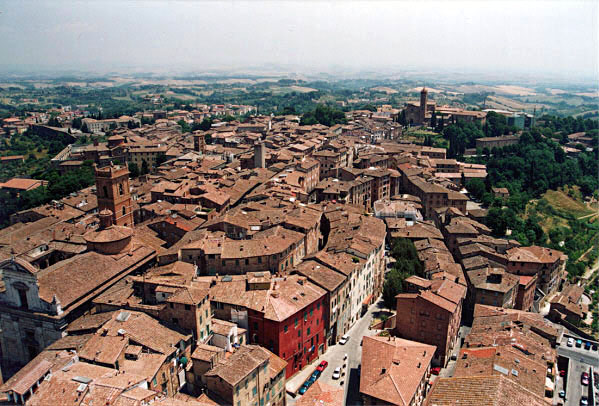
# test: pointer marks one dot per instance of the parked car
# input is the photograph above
(311, 380)
(304, 388)
(594, 346)
(579, 343)
(337, 373)
(584, 401)
(344, 339)
(587, 345)
(562, 373)
(435, 370)
(570, 341)
(322, 366)
(315, 375)
(562, 394)
(584, 379)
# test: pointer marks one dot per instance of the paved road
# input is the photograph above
(580, 360)
(334, 356)
(449, 370)
(575, 388)
(588, 357)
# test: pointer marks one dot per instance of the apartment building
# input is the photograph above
(432, 316)
(252, 375)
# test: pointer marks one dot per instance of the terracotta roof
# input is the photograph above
(321, 394)
(242, 363)
(21, 184)
(493, 279)
(393, 368)
(481, 390)
(35, 369)
(534, 254)
(89, 322)
(291, 295)
(144, 330)
(85, 273)
(222, 327)
(321, 275)
(146, 365)
(104, 349)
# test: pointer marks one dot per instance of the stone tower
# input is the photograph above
(199, 142)
(259, 155)
(423, 94)
(112, 190)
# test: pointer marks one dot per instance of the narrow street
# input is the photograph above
(334, 356)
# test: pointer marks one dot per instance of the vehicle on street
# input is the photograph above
(587, 345)
(454, 357)
(562, 373)
(344, 339)
(584, 401)
(435, 370)
(322, 366)
(304, 388)
(584, 379)
(594, 347)
(562, 394)
(315, 375)
(337, 373)
(570, 342)
(578, 343)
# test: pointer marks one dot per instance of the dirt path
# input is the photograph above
(587, 215)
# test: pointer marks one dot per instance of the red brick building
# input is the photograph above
(547, 264)
(432, 316)
(112, 189)
(287, 316)
(526, 292)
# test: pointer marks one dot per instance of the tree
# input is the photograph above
(53, 122)
(434, 120)
(133, 169)
(206, 124)
(144, 167)
(84, 128)
(228, 118)
(185, 128)
(391, 288)
(476, 188)
(288, 111)
(496, 221)
(132, 124)
(77, 123)
(368, 107)
(324, 115)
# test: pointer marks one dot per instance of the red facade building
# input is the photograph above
(286, 315)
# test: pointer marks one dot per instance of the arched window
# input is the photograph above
(120, 188)
(124, 210)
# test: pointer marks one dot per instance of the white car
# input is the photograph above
(344, 339)
(570, 342)
(337, 373)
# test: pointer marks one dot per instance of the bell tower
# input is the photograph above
(112, 191)
(423, 97)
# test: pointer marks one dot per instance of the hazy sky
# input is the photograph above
(534, 36)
